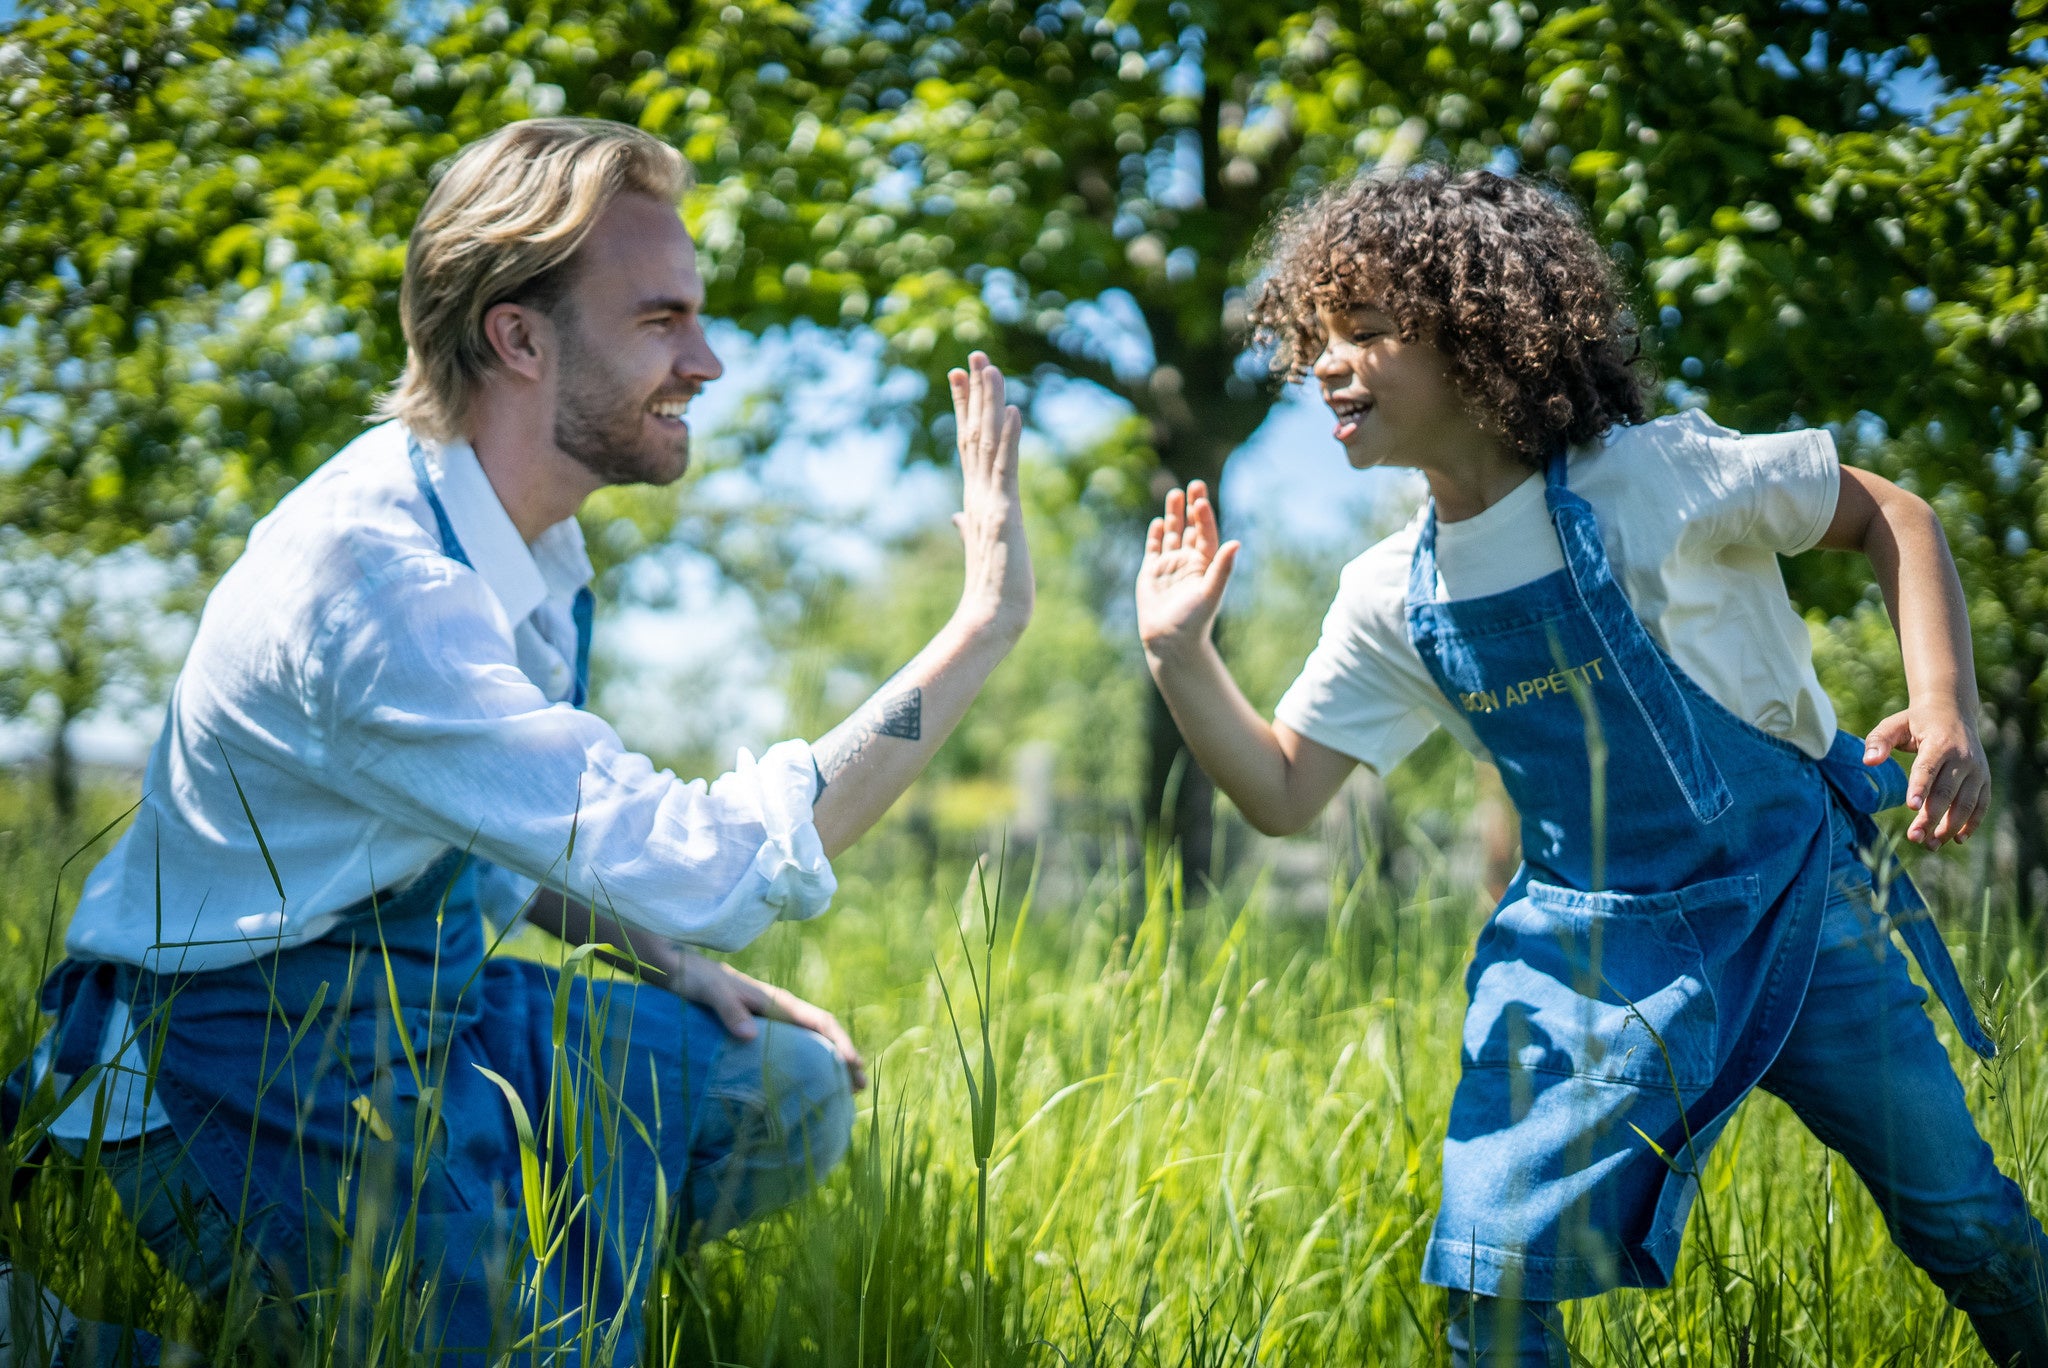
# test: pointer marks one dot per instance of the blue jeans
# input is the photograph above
(1865, 1071)
(776, 1115)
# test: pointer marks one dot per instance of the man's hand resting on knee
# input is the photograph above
(737, 999)
(732, 996)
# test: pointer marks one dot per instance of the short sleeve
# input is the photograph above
(1792, 481)
(1363, 692)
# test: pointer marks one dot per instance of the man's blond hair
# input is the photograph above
(501, 227)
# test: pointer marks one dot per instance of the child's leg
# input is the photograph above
(1488, 1332)
(1865, 1071)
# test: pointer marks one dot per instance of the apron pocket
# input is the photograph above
(1607, 986)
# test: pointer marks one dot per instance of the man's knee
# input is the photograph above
(808, 1088)
(777, 1115)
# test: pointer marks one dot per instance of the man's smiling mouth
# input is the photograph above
(669, 410)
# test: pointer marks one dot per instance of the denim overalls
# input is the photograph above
(371, 1098)
(1646, 963)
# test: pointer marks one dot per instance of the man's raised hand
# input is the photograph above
(1183, 575)
(999, 588)
(867, 761)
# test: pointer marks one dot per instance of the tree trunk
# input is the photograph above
(63, 770)
(2025, 793)
(1180, 800)
(1199, 417)
(1196, 426)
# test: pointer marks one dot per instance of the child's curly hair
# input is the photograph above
(1500, 274)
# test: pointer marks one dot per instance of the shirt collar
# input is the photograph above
(563, 560)
(522, 577)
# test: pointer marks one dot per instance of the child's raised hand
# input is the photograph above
(1950, 783)
(1183, 575)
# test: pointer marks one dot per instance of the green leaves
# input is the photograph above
(984, 1087)
(200, 253)
(534, 1193)
(207, 207)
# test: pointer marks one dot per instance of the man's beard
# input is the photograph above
(602, 424)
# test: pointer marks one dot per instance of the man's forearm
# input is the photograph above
(867, 761)
(577, 923)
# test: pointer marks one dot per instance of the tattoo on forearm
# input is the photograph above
(900, 714)
(903, 716)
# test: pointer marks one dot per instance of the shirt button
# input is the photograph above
(558, 678)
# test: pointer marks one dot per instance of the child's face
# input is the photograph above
(1395, 401)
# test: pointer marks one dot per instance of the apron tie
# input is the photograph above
(1868, 789)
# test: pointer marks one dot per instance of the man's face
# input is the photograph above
(1395, 401)
(632, 346)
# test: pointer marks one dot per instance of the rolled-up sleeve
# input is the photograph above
(790, 873)
(421, 714)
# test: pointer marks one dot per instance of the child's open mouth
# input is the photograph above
(1350, 412)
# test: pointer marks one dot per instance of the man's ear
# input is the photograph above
(521, 337)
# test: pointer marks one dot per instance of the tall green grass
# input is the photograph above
(1167, 1132)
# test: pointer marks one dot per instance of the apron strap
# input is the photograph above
(1422, 565)
(1637, 660)
(451, 545)
(81, 994)
(582, 609)
(1867, 789)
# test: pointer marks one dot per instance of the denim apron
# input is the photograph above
(1647, 961)
(335, 1098)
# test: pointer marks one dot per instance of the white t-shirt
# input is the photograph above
(1694, 518)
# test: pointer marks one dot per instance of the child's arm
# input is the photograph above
(1278, 778)
(1950, 782)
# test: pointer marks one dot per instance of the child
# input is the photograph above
(1593, 603)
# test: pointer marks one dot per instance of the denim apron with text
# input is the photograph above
(347, 1101)
(1647, 961)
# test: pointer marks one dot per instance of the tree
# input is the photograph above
(201, 243)
(73, 631)
(1954, 268)
(991, 174)
(1076, 185)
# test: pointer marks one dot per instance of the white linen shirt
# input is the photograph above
(1694, 517)
(378, 702)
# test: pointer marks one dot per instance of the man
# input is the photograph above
(379, 737)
